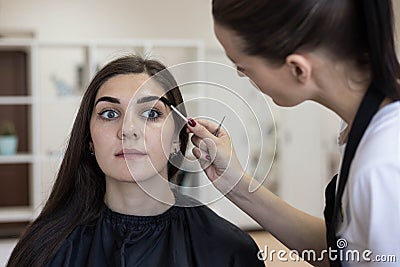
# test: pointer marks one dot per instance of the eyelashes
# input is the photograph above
(152, 114)
(149, 114)
(109, 114)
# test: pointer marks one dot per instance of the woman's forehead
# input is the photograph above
(128, 86)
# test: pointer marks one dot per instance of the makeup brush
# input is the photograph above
(166, 102)
(219, 127)
(190, 122)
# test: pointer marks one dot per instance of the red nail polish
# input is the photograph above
(192, 123)
(208, 157)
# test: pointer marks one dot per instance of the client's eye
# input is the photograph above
(108, 114)
(151, 114)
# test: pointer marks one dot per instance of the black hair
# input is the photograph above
(77, 196)
(359, 30)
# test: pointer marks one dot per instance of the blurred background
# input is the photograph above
(50, 49)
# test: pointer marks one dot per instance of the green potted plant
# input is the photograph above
(8, 139)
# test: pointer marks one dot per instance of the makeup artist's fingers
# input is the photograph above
(207, 149)
(205, 128)
(202, 132)
(221, 158)
(208, 143)
(224, 173)
(203, 157)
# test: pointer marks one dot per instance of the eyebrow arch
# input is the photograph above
(152, 98)
(108, 99)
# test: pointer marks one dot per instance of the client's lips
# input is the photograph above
(130, 154)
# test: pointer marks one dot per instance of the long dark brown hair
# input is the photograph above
(78, 192)
(359, 30)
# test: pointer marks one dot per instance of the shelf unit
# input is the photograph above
(27, 102)
(18, 158)
(57, 73)
(16, 100)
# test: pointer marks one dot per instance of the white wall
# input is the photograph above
(74, 19)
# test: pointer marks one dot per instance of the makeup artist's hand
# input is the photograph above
(216, 155)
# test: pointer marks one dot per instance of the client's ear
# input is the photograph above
(91, 148)
(176, 146)
(175, 149)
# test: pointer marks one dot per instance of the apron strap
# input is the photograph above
(368, 108)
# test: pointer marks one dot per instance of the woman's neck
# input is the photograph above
(345, 133)
(151, 197)
(341, 87)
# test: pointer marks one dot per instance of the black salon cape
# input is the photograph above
(180, 237)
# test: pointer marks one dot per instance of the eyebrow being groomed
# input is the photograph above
(152, 98)
(141, 100)
(108, 99)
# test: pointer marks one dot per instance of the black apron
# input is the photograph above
(333, 200)
(179, 237)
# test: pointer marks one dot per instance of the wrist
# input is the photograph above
(241, 189)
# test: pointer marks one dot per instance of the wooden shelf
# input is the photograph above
(18, 158)
(13, 43)
(16, 100)
(16, 214)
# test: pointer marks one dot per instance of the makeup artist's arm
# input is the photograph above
(294, 228)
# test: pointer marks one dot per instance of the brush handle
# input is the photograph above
(179, 113)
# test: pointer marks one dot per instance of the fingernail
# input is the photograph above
(192, 123)
(208, 157)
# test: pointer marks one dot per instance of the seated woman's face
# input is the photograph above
(139, 133)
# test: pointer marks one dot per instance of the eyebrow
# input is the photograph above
(139, 101)
(152, 98)
(147, 99)
(108, 99)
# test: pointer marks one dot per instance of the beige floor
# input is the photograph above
(266, 241)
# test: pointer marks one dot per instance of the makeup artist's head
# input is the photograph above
(287, 47)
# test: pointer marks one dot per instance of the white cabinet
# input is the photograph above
(19, 173)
